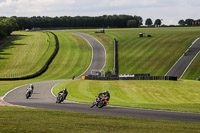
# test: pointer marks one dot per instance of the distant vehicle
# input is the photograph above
(100, 31)
(100, 101)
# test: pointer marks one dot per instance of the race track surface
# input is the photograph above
(43, 98)
(179, 68)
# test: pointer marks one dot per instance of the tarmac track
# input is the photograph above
(179, 68)
(43, 98)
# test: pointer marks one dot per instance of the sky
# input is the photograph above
(171, 11)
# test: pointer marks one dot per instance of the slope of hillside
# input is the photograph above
(154, 55)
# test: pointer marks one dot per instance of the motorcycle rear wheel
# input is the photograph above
(101, 104)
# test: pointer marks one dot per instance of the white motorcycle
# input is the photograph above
(29, 92)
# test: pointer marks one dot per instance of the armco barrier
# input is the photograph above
(116, 77)
(43, 69)
(115, 63)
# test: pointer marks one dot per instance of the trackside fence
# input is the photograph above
(117, 77)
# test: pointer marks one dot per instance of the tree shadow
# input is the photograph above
(5, 53)
(3, 58)
(8, 43)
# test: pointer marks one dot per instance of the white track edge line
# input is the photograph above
(182, 56)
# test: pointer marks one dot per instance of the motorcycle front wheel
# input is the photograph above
(93, 104)
(27, 96)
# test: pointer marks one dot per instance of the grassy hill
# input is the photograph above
(181, 96)
(26, 54)
(162, 95)
(155, 55)
(73, 58)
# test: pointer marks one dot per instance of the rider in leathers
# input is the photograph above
(31, 88)
(63, 92)
(105, 94)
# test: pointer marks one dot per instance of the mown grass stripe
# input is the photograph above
(163, 95)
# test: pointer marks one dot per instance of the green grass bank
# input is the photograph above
(25, 53)
(73, 58)
(17, 120)
(154, 55)
(180, 95)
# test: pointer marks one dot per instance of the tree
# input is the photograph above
(181, 22)
(148, 22)
(132, 23)
(189, 22)
(157, 22)
(7, 25)
(139, 20)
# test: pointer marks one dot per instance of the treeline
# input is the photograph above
(189, 22)
(116, 21)
(7, 25)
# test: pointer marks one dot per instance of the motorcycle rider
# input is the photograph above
(30, 89)
(105, 94)
(31, 86)
(63, 92)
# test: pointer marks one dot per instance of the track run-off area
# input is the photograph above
(43, 97)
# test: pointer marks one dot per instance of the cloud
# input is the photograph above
(132, 2)
(169, 10)
(32, 7)
(5, 3)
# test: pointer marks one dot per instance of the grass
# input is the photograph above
(193, 71)
(41, 121)
(26, 54)
(73, 58)
(155, 55)
(180, 96)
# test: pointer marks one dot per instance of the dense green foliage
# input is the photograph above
(157, 22)
(78, 21)
(160, 95)
(148, 22)
(189, 22)
(7, 26)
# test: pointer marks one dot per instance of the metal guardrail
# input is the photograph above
(137, 77)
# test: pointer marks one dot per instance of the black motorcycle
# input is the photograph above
(100, 102)
(60, 98)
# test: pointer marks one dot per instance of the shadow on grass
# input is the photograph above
(5, 53)
(8, 43)
(3, 58)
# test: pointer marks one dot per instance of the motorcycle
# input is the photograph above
(29, 92)
(60, 98)
(100, 102)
